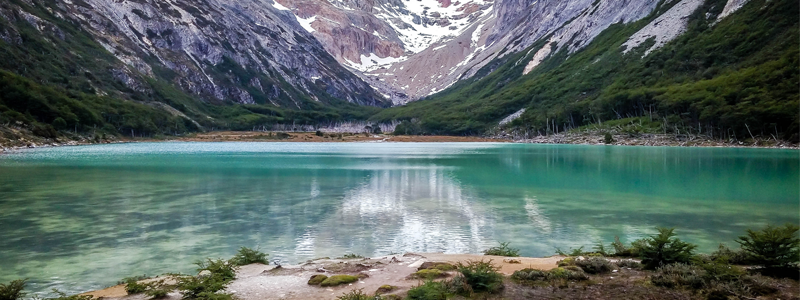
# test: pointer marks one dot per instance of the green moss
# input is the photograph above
(443, 266)
(385, 289)
(338, 280)
(317, 279)
(428, 274)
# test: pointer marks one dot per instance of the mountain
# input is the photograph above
(725, 69)
(190, 60)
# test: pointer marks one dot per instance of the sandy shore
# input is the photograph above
(259, 281)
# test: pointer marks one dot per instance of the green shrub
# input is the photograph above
(678, 275)
(247, 256)
(773, 246)
(338, 280)
(207, 286)
(355, 295)
(599, 248)
(503, 250)
(12, 290)
(566, 273)
(201, 287)
(317, 279)
(736, 257)
(132, 286)
(428, 274)
(595, 265)
(608, 139)
(481, 276)
(430, 290)
(663, 249)
(157, 293)
(223, 269)
(350, 256)
(529, 274)
(319, 133)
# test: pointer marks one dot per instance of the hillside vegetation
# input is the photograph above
(56, 80)
(733, 80)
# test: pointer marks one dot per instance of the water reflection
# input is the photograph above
(79, 218)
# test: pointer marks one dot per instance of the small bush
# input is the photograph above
(317, 279)
(319, 133)
(430, 290)
(567, 274)
(773, 246)
(351, 256)
(481, 276)
(132, 286)
(207, 286)
(355, 295)
(599, 248)
(428, 274)
(12, 290)
(608, 138)
(338, 280)
(595, 265)
(201, 287)
(503, 250)
(529, 274)
(725, 254)
(664, 248)
(678, 275)
(157, 293)
(247, 256)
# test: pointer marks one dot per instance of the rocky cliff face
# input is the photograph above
(222, 51)
(410, 49)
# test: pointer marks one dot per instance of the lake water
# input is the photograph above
(81, 218)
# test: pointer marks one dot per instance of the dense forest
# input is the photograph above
(733, 79)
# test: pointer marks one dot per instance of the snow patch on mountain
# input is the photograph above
(306, 23)
(420, 24)
(665, 28)
(373, 62)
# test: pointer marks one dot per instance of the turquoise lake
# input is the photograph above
(82, 218)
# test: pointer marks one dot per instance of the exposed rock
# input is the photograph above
(665, 28)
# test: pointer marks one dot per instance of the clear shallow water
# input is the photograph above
(81, 218)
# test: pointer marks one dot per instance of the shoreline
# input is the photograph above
(592, 139)
(289, 282)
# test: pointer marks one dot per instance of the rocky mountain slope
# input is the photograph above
(717, 68)
(411, 49)
(144, 67)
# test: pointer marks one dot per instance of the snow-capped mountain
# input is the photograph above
(409, 49)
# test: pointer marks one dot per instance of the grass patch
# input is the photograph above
(338, 280)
